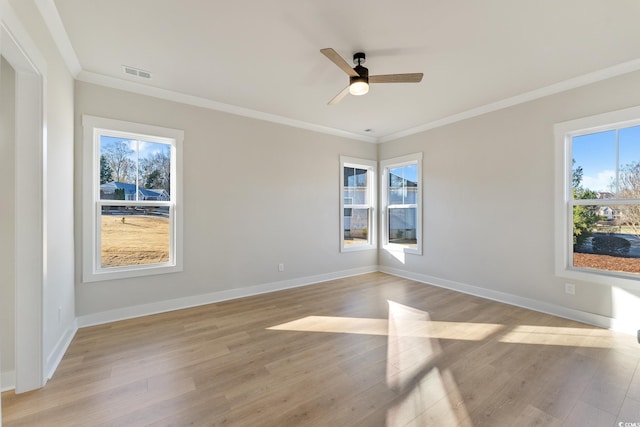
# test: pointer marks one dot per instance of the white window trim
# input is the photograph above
(385, 165)
(372, 178)
(90, 191)
(564, 132)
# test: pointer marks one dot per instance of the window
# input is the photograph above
(357, 203)
(598, 207)
(132, 224)
(401, 199)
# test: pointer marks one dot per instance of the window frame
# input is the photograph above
(93, 128)
(564, 203)
(372, 177)
(385, 166)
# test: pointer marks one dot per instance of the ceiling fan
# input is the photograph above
(359, 77)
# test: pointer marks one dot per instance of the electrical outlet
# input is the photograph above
(569, 288)
(281, 267)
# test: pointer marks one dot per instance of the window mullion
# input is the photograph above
(617, 162)
(603, 202)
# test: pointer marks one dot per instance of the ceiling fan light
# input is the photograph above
(358, 88)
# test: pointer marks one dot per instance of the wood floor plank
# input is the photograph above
(377, 350)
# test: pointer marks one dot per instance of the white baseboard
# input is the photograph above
(7, 381)
(531, 304)
(196, 300)
(54, 358)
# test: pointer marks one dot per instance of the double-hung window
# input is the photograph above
(402, 204)
(357, 204)
(132, 223)
(598, 191)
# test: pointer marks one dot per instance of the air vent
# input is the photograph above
(136, 72)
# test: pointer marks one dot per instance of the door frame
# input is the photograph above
(21, 53)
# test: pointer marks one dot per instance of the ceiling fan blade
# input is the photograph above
(397, 78)
(339, 61)
(339, 96)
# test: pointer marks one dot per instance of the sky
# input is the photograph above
(146, 148)
(597, 153)
(408, 172)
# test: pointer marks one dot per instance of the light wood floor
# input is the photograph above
(373, 350)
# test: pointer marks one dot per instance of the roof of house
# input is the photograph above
(131, 189)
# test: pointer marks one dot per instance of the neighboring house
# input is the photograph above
(108, 191)
(606, 212)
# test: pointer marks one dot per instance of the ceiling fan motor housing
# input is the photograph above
(363, 73)
(359, 58)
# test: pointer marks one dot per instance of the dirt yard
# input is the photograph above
(138, 239)
(607, 262)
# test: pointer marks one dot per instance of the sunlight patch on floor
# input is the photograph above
(429, 395)
(410, 345)
(433, 400)
(428, 392)
(366, 326)
(561, 336)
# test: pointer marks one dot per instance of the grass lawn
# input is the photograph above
(139, 239)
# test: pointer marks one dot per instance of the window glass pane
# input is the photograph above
(355, 186)
(609, 241)
(402, 226)
(411, 175)
(403, 183)
(396, 196)
(356, 226)
(629, 162)
(410, 195)
(355, 196)
(396, 177)
(594, 165)
(360, 178)
(134, 235)
(134, 170)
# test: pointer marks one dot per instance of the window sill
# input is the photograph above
(358, 248)
(129, 272)
(402, 248)
(619, 280)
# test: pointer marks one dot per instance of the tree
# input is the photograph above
(629, 188)
(585, 218)
(155, 170)
(118, 158)
(153, 180)
(105, 171)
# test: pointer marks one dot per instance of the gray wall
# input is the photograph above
(255, 194)
(258, 193)
(7, 221)
(489, 199)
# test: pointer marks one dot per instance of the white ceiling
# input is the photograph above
(263, 56)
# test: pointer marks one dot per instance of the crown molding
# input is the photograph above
(53, 22)
(142, 89)
(563, 86)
